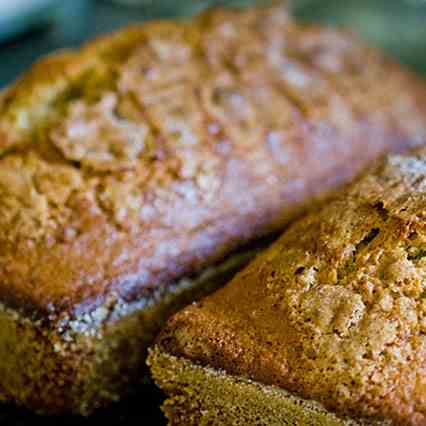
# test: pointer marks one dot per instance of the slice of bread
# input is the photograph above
(203, 396)
(154, 154)
(326, 327)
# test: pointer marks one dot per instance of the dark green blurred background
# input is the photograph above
(398, 26)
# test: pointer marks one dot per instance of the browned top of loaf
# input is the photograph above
(151, 153)
(335, 310)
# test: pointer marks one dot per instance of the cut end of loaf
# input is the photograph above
(202, 395)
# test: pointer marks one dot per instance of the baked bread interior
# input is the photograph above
(130, 169)
(327, 327)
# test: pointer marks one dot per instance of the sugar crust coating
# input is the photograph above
(153, 153)
(172, 126)
(335, 310)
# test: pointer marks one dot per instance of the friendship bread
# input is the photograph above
(327, 327)
(130, 170)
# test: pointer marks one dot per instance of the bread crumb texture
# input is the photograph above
(204, 396)
(335, 311)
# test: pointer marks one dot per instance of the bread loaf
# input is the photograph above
(130, 169)
(327, 327)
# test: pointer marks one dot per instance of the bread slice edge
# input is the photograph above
(198, 395)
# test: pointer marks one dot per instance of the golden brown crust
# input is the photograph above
(27, 102)
(245, 135)
(153, 153)
(335, 311)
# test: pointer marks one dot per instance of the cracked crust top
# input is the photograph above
(153, 152)
(335, 311)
